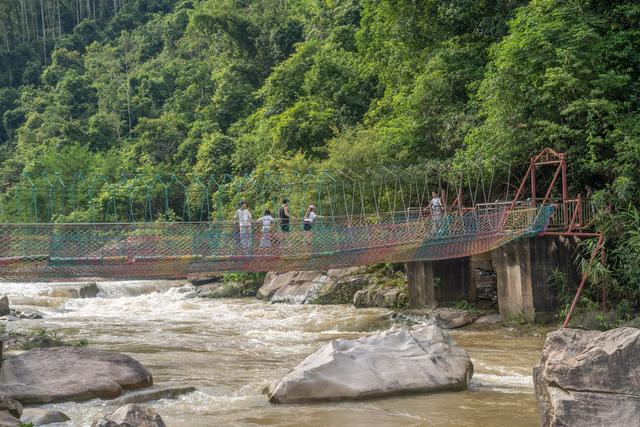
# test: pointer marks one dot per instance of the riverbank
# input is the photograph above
(229, 349)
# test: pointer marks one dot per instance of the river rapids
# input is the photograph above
(230, 349)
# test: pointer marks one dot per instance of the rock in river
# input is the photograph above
(8, 420)
(10, 405)
(376, 295)
(131, 415)
(226, 290)
(10, 410)
(589, 378)
(4, 306)
(392, 362)
(314, 287)
(70, 374)
(81, 290)
(153, 394)
(41, 416)
(444, 317)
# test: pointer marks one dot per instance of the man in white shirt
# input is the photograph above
(243, 217)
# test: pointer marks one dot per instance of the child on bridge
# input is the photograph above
(309, 217)
(266, 221)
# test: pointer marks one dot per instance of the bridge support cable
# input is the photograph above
(148, 197)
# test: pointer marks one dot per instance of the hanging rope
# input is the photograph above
(147, 197)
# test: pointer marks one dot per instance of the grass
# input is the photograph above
(518, 320)
(42, 338)
(467, 306)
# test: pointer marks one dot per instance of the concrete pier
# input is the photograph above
(432, 283)
(525, 271)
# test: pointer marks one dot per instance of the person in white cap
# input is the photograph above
(309, 217)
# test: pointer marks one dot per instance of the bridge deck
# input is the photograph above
(177, 250)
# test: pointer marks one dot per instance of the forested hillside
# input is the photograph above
(237, 87)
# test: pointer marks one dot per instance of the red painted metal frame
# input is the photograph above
(546, 157)
(573, 227)
(585, 277)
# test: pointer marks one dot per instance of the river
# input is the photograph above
(231, 349)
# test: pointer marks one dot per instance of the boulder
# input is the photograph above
(444, 317)
(397, 361)
(337, 286)
(70, 374)
(10, 405)
(292, 287)
(380, 296)
(82, 290)
(155, 394)
(8, 420)
(489, 319)
(4, 306)
(340, 290)
(589, 378)
(41, 416)
(206, 280)
(225, 290)
(29, 314)
(131, 415)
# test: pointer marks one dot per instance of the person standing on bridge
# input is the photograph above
(309, 217)
(243, 217)
(284, 216)
(436, 205)
(266, 221)
(436, 210)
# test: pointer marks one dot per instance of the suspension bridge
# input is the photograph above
(138, 226)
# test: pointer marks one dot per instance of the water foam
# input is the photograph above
(503, 383)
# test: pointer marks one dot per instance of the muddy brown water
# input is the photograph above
(231, 349)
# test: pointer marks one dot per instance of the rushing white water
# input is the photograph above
(231, 349)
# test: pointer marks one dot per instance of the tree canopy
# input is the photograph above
(239, 88)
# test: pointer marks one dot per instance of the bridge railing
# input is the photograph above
(569, 215)
(572, 214)
(132, 250)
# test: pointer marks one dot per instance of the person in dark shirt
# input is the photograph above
(284, 216)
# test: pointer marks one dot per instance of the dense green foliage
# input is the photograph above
(241, 87)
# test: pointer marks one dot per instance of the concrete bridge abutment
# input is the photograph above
(431, 283)
(527, 273)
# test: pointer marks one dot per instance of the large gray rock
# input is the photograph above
(8, 420)
(70, 374)
(131, 415)
(4, 306)
(589, 378)
(153, 394)
(225, 290)
(336, 286)
(443, 317)
(10, 405)
(489, 319)
(392, 362)
(380, 296)
(41, 417)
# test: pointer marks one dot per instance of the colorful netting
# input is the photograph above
(196, 249)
